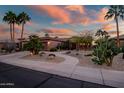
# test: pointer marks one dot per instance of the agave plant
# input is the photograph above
(105, 51)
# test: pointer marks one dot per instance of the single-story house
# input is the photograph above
(48, 42)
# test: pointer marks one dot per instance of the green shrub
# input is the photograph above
(105, 51)
(34, 44)
(53, 49)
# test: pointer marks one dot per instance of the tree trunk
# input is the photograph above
(13, 26)
(117, 26)
(77, 46)
(22, 36)
(69, 45)
(11, 32)
(22, 30)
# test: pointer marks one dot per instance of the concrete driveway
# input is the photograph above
(18, 77)
(69, 69)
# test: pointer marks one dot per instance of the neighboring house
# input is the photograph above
(2, 45)
(121, 38)
(48, 42)
(8, 46)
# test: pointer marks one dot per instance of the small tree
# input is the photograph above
(34, 44)
(87, 41)
(77, 40)
(105, 51)
(101, 33)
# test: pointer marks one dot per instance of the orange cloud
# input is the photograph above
(86, 21)
(55, 12)
(113, 33)
(59, 31)
(98, 17)
(62, 16)
(108, 27)
(18, 27)
(78, 8)
(5, 31)
(30, 23)
(101, 15)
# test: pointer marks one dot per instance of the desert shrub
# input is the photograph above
(68, 52)
(53, 49)
(51, 56)
(34, 44)
(77, 54)
(105, 51)
(88, 55)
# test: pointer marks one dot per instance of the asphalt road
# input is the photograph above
(18, 77)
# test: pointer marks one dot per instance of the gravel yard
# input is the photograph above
(44, 58)
(118, 62)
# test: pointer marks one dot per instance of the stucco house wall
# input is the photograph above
(53, 44)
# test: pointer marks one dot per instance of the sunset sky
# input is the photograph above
(61, 21)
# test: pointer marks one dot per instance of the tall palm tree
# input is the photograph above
(13, 25)
(22, 19)
(10, 18)
(116, 12)
(99, 32)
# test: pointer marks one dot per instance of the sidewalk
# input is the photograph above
(15, 77)
(68, 68)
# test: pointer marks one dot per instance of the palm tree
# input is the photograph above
(116, 12)
(22, 19)
(46, 35)
(10, 18)
(13, 25)
(101, 33)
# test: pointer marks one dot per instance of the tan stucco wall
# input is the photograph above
(53, 44)
(121, 42)
(1, 45)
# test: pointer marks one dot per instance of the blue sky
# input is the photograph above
(60, 20)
